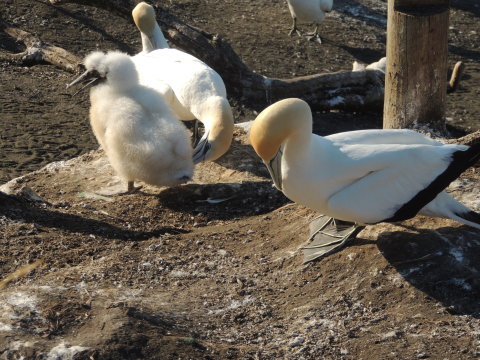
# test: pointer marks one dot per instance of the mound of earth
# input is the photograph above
(213, 270)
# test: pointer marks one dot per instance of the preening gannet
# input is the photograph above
(141, 136)
(198, 92)
(309, 11)
(366, 176)
(152, 36)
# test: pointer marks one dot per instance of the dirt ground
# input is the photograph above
(171, 274)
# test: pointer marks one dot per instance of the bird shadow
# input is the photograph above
(442, 263)
(469, 6)
(17, 209)
(358, 11)
(362, 54)
(223, 201)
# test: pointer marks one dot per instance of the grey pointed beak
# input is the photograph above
(88, 77)
(274, 167)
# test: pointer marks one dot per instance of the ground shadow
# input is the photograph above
(442, 263)
(359, 11)
(224, 201)
(17, 209)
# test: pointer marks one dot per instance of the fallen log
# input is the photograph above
(349, 91)
(38, 51)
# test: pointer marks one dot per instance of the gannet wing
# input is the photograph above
(403, 180)
(402, 136)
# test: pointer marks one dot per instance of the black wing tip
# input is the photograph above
(471, 216)
(461, 161)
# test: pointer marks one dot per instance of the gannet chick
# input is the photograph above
(380, 65)
(141, 136)
(195, 91)
(366, 176)
(309, 11)
(152, 36)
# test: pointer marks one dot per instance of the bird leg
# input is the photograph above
(131, 187)
(314, 35)
(294, 28)
(196, 136)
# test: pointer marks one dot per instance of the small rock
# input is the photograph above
(299, 340)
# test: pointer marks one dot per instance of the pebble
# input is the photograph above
(299, 340)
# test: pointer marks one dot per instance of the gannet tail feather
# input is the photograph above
(461, 160)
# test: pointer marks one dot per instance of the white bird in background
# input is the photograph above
(380, 65)
(309, 11)
(366, 176)
(196, 90)
(141, 136)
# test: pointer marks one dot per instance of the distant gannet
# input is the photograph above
(141, 136)
(309, 11)
(380, 65)
(198, 91)
(366, 176)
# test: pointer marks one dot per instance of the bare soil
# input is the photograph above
(170, 274)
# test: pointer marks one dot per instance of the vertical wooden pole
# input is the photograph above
(416, 75)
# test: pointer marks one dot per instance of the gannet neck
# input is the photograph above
(152, 37)
(219, 124)
(279, 123)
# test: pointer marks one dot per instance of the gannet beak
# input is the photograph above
(201, 150)
(88, 77)
(274, 167)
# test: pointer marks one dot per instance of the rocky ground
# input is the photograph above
(213, 269)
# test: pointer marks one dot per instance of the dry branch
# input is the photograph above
(470, 139)
(342, 90)
(38, 51)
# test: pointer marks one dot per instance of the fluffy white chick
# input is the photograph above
(141, 136)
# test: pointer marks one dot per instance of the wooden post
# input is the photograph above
(416, 75)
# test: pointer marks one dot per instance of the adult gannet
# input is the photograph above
(309, 11)
(366, 176)
(198, 92)
(141, 136)
(152, 36)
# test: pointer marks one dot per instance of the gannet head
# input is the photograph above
(272, 127)
(218, 131)
(114, 68)
(144, 17)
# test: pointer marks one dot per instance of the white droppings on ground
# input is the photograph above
(64, 352)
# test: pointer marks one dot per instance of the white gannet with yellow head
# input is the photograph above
(309, 11)
(197, 91)
(141, 136)
(365, 176)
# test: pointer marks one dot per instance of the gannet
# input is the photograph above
(366, 176)
(380, 65)
(197, 91)
(309, 11)
(141, 136)
(152, 36)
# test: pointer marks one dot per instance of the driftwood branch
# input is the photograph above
(342, 90)
(38, 51)
(470, 139)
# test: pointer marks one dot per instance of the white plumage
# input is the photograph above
(366, 176)
(380, 65)
(141, 136)
(196, 91)
(309, 11)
